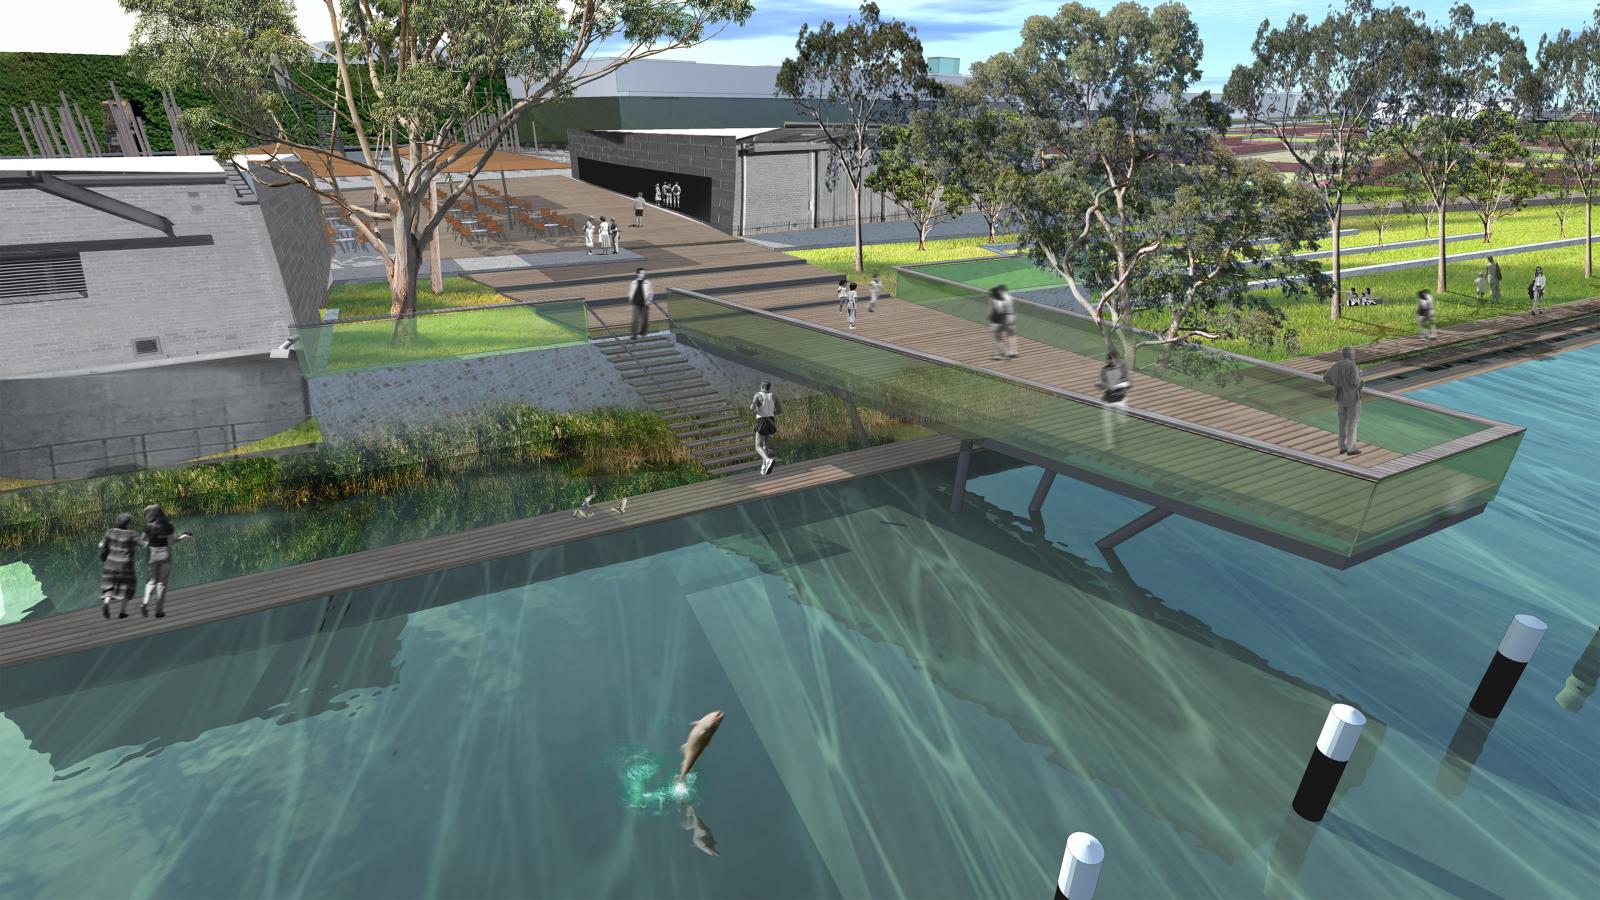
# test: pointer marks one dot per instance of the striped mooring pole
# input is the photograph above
(1340, 732)
(1510, 658)
(1080, 867)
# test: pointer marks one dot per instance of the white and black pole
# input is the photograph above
(1340, 732)
(1516, 648)
(1080, 867)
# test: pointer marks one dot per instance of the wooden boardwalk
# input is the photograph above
(29, 641)
(1399, 355)
(754, 276)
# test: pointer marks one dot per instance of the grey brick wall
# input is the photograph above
(563, 379)
(778, 191)
(293, 216)
(80, 425)
(707, 156)
(196, 300)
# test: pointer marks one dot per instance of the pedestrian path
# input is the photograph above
(1402, 264)
(372, 268)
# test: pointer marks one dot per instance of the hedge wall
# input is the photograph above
(40, 77)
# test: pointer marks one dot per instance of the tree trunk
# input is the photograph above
(1439, 281)
(1588, 234)
(1338, 276)
(437, 280)
(922, 235)
(860, 265)
(990, 221)
(403, 278)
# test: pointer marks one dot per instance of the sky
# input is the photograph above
(967, 29)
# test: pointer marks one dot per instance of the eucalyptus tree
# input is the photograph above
(1231, 222)
(410, 75)
(1501, 177)
(1453, 73)
(1316, 88)
(1569, 69)
(872, 71)
(989, 146)
(1105, 95)
(916, 169)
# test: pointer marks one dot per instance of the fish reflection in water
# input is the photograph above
(703, 838)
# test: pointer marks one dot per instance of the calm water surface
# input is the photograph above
(918, 705)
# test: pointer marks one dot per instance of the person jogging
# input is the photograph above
(766, 408)
(639, 296)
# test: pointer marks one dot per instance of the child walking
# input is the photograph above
(850, 305)
(843, 289)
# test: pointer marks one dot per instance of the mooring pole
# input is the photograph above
(1045, 480)
(959, 491)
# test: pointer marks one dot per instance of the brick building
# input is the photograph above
(139, 298)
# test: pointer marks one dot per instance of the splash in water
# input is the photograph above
(649, 783)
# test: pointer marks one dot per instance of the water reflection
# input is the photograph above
(1585, 672)
(1462, 754)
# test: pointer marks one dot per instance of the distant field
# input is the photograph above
(881, 258)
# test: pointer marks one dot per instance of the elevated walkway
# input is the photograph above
(1243, 446)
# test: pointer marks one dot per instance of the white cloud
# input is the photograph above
(101, 26)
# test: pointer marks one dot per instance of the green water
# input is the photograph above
(918, 704)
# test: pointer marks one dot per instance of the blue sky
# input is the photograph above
(967, 29)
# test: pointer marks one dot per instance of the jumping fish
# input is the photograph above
(702, 835)
(699, 736)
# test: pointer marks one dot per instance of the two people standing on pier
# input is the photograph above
(116, 558)
(766, 408)
(1345, 377)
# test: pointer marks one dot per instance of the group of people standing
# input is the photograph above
(601, 235)
(847, 297)
(117, 550)
(1489, 281)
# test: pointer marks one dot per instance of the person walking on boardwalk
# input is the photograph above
(638, 210)
(1536, 291)
(1003, 322)
(588, 236)
(844, 288)
(156, 539)
(116, 565)
(1345, 376)
(639, 296)
(1491, 274)
(766, 408)
(1425, 325)
(1114, 386)
(850, 305)
(874, 288)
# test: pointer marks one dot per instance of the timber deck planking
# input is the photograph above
(72, 632)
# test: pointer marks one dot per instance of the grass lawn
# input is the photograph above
(372, 298)
(1563, 269)
(881, 257)
(1530, 226)
(471, 332)
(306, 432)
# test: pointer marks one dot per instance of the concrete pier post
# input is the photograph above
(959, 491)
(1039, 493)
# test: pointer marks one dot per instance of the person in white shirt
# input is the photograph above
(1538, 290)
(588, 236)
(766, 408)
(842, 290)
(1003, 322)
(850, 305)
(875, 287)
(638, 210)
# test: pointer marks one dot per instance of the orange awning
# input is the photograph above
(321, 163)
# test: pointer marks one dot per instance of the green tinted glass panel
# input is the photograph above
(1297, 500)
(458, 334)
(1412, 500)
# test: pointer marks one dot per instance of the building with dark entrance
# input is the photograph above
(741, 180)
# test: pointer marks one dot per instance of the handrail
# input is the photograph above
(629, 350)
(1250, 360)
(1135, 412)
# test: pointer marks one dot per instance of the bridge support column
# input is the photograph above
(959, 491)
(1045, 480)
(855, 422)
(1132, 528)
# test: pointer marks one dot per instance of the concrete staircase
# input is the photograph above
(711, 429)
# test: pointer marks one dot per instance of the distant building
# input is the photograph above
(669, 93)
(139, 299)
(741, 180)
